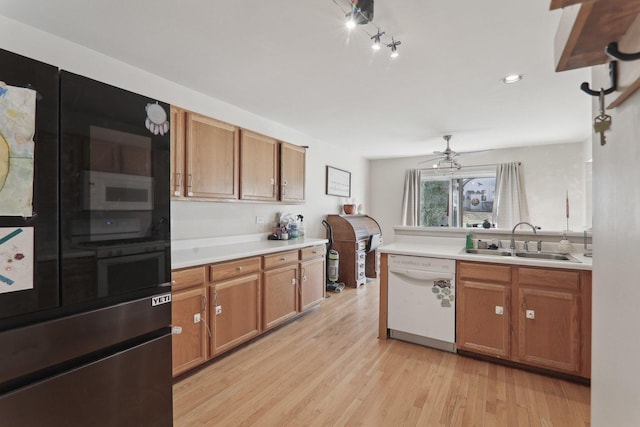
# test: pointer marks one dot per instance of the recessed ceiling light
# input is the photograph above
(512, 78)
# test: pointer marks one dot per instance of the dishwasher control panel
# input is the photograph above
(422, 263)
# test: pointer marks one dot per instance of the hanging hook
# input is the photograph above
(613, 74)
(612, 51)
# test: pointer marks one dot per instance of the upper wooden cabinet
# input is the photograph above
(213, 160)
(292, 173)
(585, 30)
(259, 167)
(178, 136)
(204, 157)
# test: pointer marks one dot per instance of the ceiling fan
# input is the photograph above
(447, 158)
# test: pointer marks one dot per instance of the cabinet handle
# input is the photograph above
(284, 187)
(499, 310)
(190, 185)
(178, 185)
(530, 314)
(293, 281)
(283, 259)
(239, 268)
(304, 275)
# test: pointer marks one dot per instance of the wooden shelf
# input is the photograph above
(587, 27)
(559, 4)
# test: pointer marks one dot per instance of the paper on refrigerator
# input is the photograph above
(17, 129)
(16, 259)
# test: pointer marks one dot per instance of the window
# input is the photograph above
(462, 199)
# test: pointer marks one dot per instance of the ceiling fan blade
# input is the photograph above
(464, 153)
(430, 160)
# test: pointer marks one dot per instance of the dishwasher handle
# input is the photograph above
(430, 276)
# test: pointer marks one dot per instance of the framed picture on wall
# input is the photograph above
(338, 182)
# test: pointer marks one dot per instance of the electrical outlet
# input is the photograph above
(197, 318)
(259, 220)
(218, 309)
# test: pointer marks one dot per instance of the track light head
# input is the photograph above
(376, 40)
(394, 47)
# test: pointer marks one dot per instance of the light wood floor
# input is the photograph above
(329, 369)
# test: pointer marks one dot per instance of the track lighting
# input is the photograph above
(376, 40)
(351, 22)
(394, 47)
(359, 14)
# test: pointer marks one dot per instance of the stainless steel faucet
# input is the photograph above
(512, 246)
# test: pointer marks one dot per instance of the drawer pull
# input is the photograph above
(283, 258)
(239, 268)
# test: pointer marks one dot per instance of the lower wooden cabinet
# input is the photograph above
(312, 286)
(239, 300)
(234, 312)
(189, 346)
(531, 315)
(279, 295)
(484, 323)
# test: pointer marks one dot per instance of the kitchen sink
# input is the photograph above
(546, 255)
(533, 255)
(487, 252)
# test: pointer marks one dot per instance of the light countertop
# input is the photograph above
(454, 250)
(190, 255)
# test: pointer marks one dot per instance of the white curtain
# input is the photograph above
(510, 201)
(411, 198)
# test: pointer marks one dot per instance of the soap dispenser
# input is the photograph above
(469, 243)
(565, 246)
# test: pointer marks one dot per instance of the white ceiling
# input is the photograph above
(294, 62)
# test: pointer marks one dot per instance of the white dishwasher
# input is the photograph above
(421, 301)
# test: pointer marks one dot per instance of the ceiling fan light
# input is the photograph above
(394, 52)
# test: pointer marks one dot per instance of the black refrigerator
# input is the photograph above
(85, 297)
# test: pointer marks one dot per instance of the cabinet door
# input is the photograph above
(483, 318)
(188, 311)
(312, 283)
(212, 151)
(549, 328)
(292, 172)
(259, 167)
(234, 312)
(279, 295)
(178, 134)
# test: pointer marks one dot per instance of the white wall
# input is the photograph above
(202, 219)
(549, 171)
(615, 398)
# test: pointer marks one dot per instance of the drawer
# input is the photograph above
(187, 278)
(549, 277)
(484, 272)
(312, 252)
(281, 258)
(231, 269)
